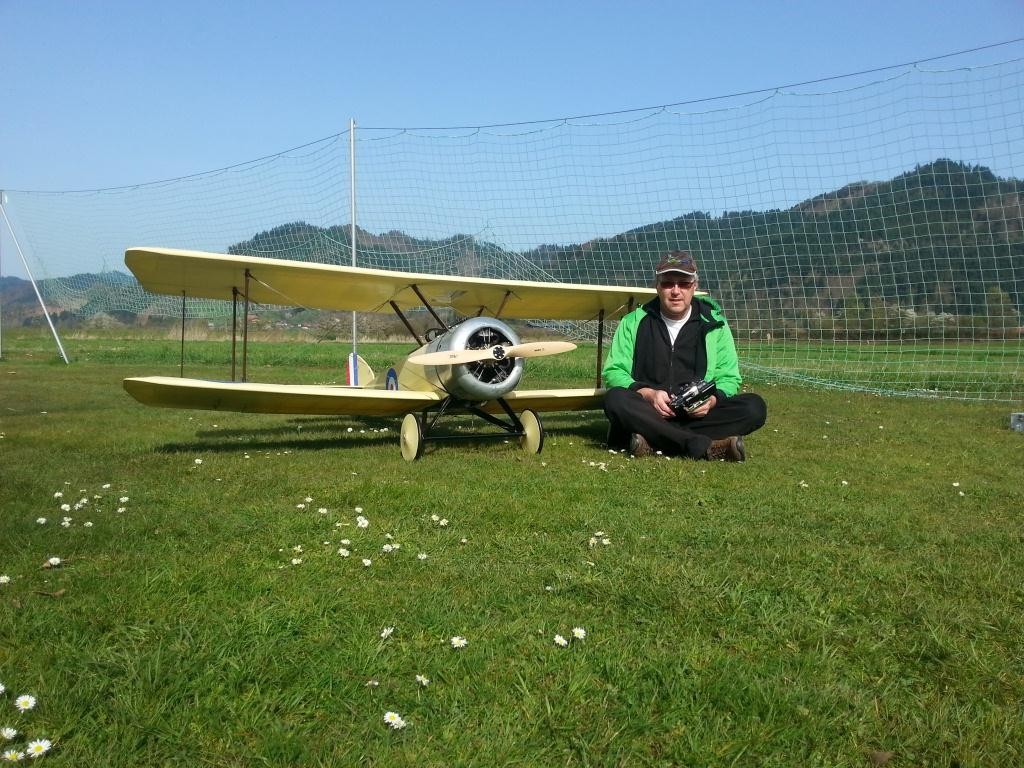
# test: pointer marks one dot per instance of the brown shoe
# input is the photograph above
(638, 446)
(726, 449)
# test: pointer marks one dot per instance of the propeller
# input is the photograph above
(497, 352)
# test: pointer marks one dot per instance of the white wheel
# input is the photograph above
(412, 437)
(532, 440)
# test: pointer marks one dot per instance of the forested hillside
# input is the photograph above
(942, 240)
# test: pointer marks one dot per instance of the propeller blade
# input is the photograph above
(452, 357)
(497, 352)
(539, 348)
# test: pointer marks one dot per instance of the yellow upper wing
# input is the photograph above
(326, 286)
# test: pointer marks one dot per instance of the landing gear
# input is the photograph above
(412, 437)
(532, 439)
(418, 428)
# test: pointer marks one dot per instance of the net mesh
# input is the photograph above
(869, 236)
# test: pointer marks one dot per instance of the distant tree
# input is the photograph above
(1001, 312)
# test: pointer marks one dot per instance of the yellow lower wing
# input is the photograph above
(553, 400)
(201, 394)
(170, 392)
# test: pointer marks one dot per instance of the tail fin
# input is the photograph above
(358, 372)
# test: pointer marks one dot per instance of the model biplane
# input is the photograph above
(473, 366)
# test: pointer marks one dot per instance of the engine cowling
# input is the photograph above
(479, 381)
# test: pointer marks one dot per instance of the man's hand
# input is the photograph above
(700, 413)
(659, 400)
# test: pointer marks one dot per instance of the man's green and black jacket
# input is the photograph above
(641, 354)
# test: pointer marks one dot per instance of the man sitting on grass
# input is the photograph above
(665, 345)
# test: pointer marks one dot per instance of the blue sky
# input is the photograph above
(118, 93)
(114, 93)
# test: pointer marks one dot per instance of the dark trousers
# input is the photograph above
(628, 412)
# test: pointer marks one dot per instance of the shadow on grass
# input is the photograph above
(315, 434)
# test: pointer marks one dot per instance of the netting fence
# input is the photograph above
(864, 233)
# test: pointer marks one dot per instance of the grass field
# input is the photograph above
(980, 370)
(850, 596)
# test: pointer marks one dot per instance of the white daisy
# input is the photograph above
(459, 642)
(345, 542)
(87, 524)
(53, 562)
(198, 462)
(434, 518)
(123, 500)
(362, 522)
(8, 733)
(386, 633)
(424, 681)
(13, 756)
(106, 486)
(4, 579)
(579, 633)
(561, 641)
(41, 520)
(121, 510)
(25, 702)
(65, 507)
(387, 548)
(359, 510)
(343, 552)
(296, 561)
(38, 747)
(421, 556)
(443, 521)
(59, 495)
(367, 562)
(394, 720)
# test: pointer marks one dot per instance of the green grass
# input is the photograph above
(984, 370)
(764, 614)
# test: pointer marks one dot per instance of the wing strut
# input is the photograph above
(408, 325)
(504, 300)
(234, 327)
(245, 326)
(181, 363)
(429, 308)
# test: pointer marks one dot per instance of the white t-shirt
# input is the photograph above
(673, 326)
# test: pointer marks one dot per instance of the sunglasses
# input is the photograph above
(670, 283)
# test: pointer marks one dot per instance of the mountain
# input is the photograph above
(944, 239)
